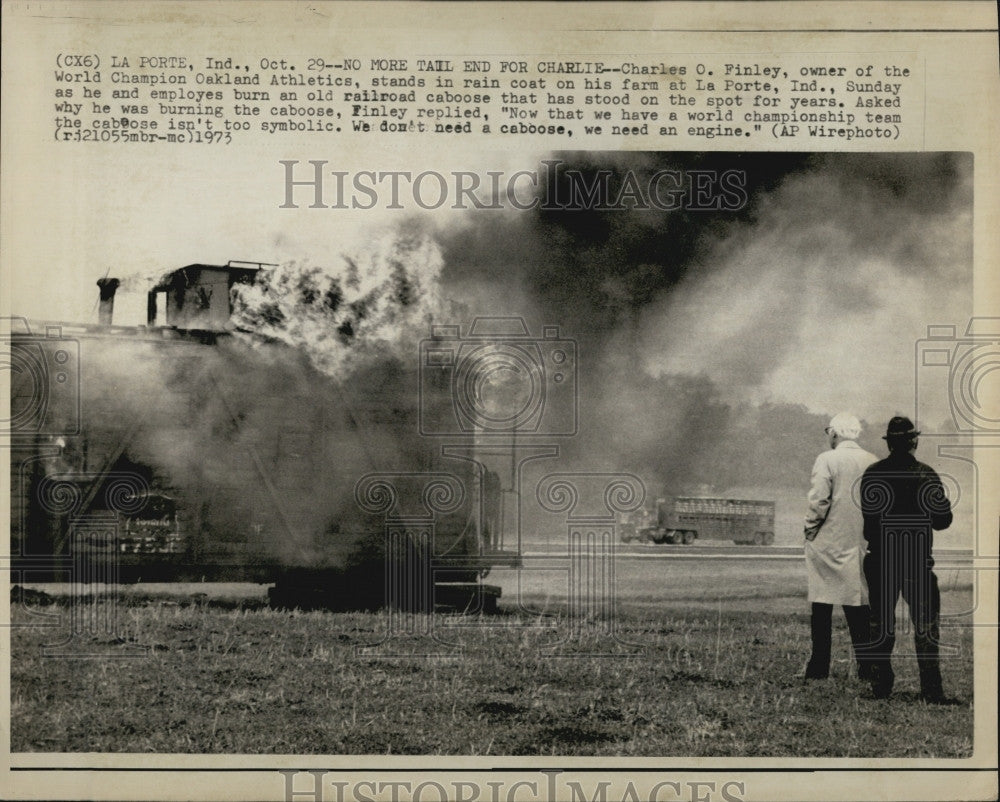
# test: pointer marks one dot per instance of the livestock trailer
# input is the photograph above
(684, 519)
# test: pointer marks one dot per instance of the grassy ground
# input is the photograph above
(704, 677)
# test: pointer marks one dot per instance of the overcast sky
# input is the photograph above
(814, 293)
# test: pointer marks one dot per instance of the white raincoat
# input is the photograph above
(835, 557)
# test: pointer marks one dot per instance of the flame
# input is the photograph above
(377, 300)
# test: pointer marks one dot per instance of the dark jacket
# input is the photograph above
(900, 493)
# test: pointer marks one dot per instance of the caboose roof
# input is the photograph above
(190, 274)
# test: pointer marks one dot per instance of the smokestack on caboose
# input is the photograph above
(106, 309)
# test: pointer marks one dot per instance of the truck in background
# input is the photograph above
(684, 519)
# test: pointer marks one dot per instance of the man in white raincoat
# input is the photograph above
(835, 545)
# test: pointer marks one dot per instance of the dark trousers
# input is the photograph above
(822, 627)
(890, 574)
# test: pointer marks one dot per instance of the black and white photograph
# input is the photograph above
(370, 464)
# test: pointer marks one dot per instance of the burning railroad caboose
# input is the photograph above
(188, 449)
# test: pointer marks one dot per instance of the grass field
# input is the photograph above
(702, 666)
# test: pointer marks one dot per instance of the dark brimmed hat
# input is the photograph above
(899, 428)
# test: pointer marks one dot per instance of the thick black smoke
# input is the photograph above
(596, 269)
(693, 323)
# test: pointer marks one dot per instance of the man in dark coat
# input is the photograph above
(903, 502)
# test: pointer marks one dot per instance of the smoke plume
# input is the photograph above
(704, 333)
(712, 344)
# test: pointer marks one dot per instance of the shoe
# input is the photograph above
(940, 699)
(882, 681)
(812, 672)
